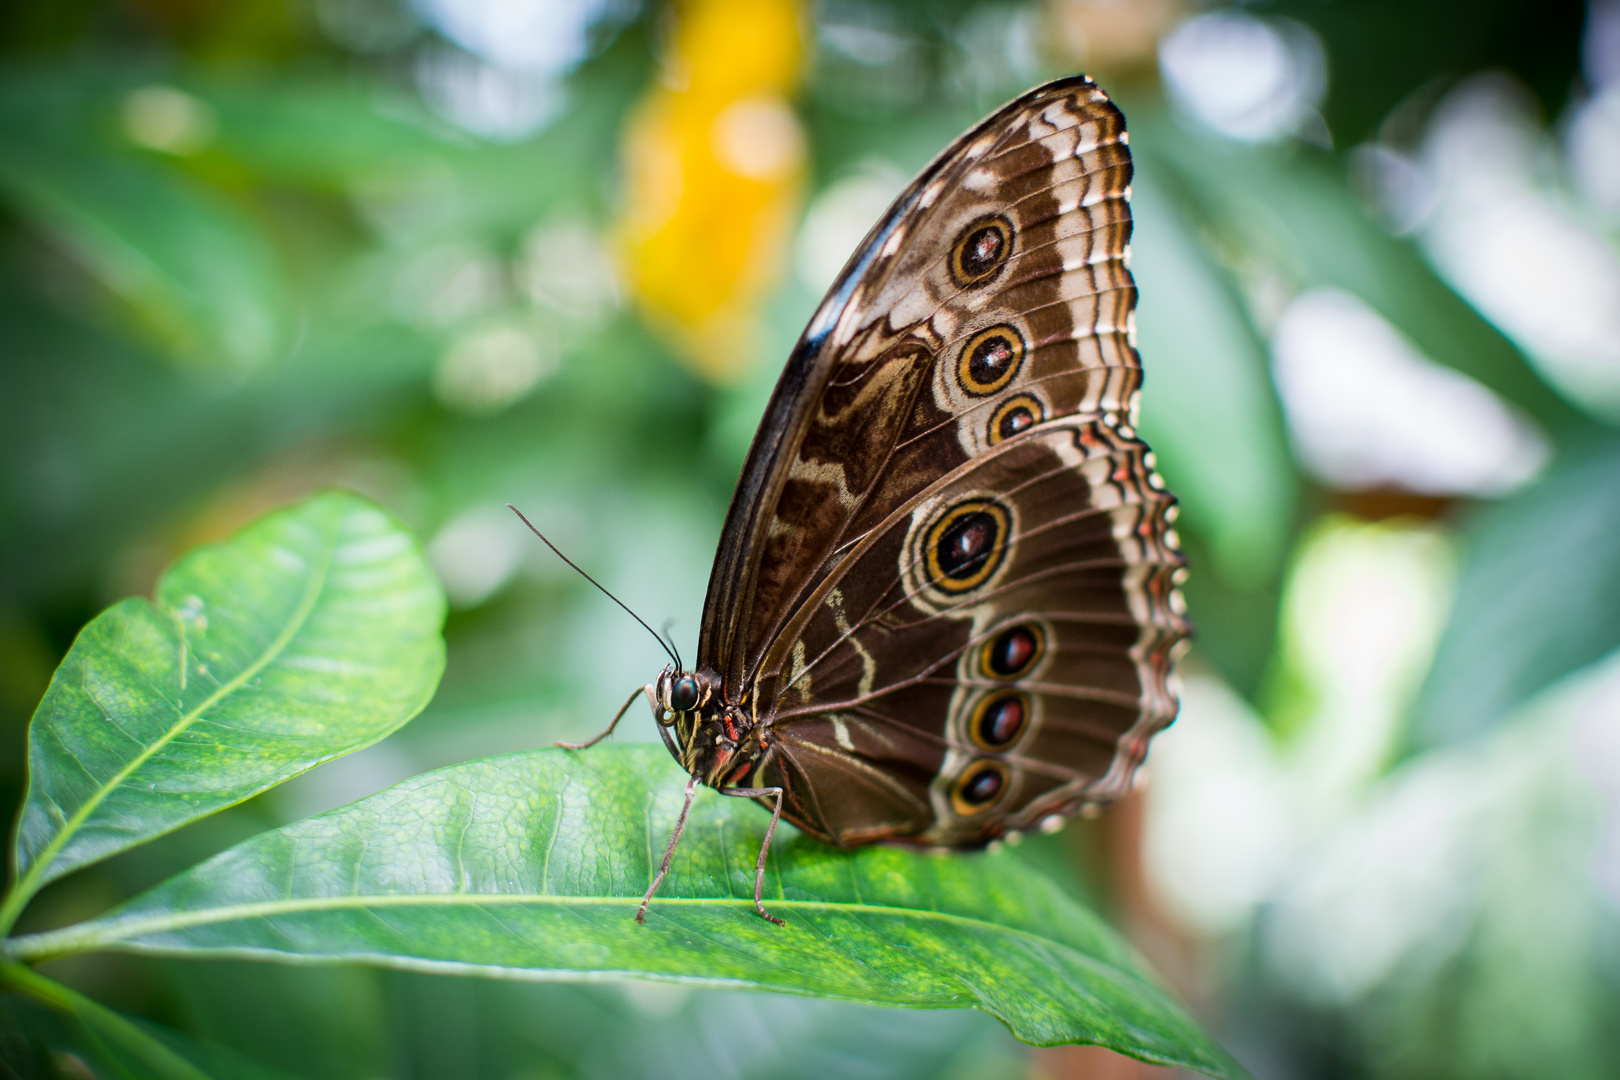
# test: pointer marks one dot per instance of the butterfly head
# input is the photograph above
(702, 731)
(681, 692)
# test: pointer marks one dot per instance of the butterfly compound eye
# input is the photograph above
(683, 696)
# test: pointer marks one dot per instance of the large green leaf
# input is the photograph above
(1538, 597)
(310, 634)
(532, 865)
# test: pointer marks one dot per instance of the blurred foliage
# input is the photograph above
(1521, 574)
(47, 1029)
(250, 250)
(1385, 51)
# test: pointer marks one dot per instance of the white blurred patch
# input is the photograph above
(759, 138)
(489, 368)
(1230, 810)
(1549, 282)
(1250, 79)
(477, 552)
(486, 99)
(1600, 43)
(1366, 409)
(509, 82)
(1592, 143)
(868, 58)
(543, 37)
(1596, 739)
(1492, 839)
(445, 285)
(865, 34)
(163, 118)
(1219, 833)
(655, 1000)
(1361, 614)
(1395, 883)
(840, 218)
(565, 267)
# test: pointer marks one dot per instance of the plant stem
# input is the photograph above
(22, 890)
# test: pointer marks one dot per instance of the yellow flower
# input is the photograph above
(714, 166)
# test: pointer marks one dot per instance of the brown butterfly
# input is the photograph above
(944, 607)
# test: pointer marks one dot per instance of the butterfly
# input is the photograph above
(944, 606)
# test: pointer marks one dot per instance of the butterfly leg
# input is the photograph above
(764, 848)
(631, 700)
(669, 852)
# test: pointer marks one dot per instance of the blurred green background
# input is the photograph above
(454, 253)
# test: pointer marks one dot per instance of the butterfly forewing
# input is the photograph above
(900, 315)
(944, 590)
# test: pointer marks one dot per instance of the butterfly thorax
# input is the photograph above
(710, 737)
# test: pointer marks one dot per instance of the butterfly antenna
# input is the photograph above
(673, 655)
(671, 640)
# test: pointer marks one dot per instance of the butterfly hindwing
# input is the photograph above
(1041, 658)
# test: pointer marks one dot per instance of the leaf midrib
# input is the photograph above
(35, 948)
(31, 880)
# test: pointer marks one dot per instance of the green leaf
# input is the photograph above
(1538, 597)
(532, 865)
(48, 1029)
(311, 633)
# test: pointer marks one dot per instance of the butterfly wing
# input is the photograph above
(968, 380)
(948, 694)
